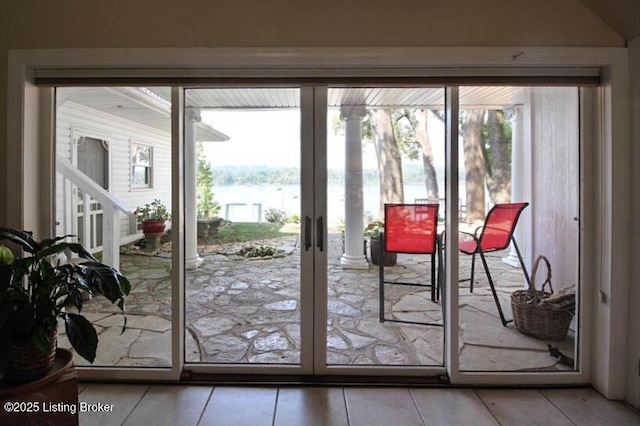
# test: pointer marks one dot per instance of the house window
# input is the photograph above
(141, 164)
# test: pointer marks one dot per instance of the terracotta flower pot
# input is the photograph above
(27, 363)
(153, 227)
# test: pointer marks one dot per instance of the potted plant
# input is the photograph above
(372, 231)
(36, 290)
(153, 216)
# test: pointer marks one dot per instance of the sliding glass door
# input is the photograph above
(245, 264)
(384, 145)
(282, 197)
(525, 150)
(113, 159)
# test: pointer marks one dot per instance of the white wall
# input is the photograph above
(633, 353)
(74, 121)
(555, 181)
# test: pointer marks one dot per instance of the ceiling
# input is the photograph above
(151, 106)
(621, 15)
(137, 104)
(492, 97)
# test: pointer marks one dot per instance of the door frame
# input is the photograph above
(31, 205)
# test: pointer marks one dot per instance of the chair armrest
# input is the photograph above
(473, 236)
(477, 232)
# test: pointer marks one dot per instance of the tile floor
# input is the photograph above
(353, 406)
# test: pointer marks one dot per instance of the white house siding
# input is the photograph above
(555, 180)
(75, 120)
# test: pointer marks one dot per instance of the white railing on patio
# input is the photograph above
(111, 209)
(243, 212)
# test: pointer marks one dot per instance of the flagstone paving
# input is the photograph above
(248, 311)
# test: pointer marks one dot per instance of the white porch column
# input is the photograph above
(192, 259)
(517, 182)
(353, 257)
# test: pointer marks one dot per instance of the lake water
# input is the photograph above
(242, 203)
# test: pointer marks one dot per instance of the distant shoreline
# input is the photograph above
(245, 199)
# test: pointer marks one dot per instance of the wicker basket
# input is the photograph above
(28, 363)
(535, 319)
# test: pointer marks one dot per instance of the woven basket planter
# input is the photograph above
(532, 317)
(28, 363)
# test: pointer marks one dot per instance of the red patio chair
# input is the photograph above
(494, 235)
(409, 228)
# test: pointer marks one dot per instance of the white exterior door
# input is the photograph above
(93, 161)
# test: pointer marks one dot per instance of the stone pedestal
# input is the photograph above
(208, 227)
(152, 243)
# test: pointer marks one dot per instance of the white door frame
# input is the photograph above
(31, 206)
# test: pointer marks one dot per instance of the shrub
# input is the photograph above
(275, 216)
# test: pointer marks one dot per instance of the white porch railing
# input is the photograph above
(111, 209)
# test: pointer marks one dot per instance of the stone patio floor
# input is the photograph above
(248, 311)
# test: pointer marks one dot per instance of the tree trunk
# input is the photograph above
(499, 167)
(389, 159)
(419, 122)
(474, 168)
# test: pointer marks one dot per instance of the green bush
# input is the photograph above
(275, 216)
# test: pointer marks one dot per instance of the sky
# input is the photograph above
(272, 138)
(266, 137)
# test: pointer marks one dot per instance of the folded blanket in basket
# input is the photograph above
(560, 302)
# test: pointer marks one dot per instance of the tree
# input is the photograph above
(497, 155)
(474, 163)
(389, 157)
(419, 122)
(206, 204)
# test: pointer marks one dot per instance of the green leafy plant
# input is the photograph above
(372, 230)
(154, 210)
(261, 251)
(36, 290)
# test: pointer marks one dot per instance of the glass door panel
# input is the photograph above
(384, 145)
(113, 151)
(243, 278)
(519, 145)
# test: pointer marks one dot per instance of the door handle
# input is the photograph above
(307, 233)
(320, 233)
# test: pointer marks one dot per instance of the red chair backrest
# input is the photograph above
(499, 225)
(410, 228)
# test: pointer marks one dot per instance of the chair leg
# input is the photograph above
(381, 276)
(441, 284)
(524, 268)
(433, 277)
(473, 268)
(493, 290)
(382, 282)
